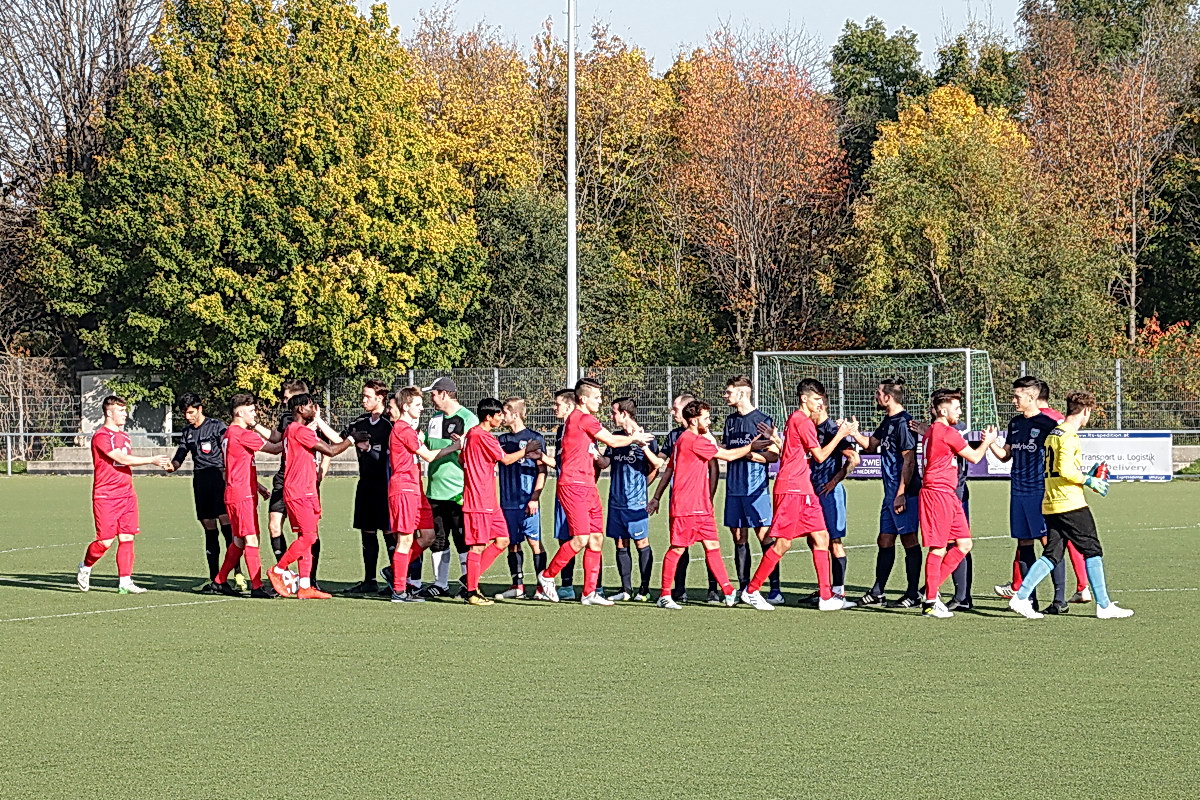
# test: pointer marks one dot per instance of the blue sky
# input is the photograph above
(663, 27)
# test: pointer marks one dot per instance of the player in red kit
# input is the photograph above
(692, 520)
(798, 512)
(943, 519)
(243, 438)
(114, 504)
(576, 491)
(483, 520)
(300, 446)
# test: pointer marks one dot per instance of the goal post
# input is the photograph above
(851, 377)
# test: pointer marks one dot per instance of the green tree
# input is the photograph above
(270, 205)
(981, 62)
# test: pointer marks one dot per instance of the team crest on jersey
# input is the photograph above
(206, 447)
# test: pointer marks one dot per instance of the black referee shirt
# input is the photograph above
(373, 461)
(204, 444)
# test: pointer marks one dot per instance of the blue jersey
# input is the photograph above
(516, 480)
(629, 470)
(744, 478)
(895, 437)
(964, 466)
(1027, 438)
(823, 473)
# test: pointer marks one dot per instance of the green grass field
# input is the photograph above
(184, 696)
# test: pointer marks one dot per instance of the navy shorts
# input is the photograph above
(627, 523)
(748, 512)
(561, 531)
(522, 526)
(1025, 519)
(833, 506)
(899, 524)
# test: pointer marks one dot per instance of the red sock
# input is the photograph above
(821, 564)
(488, 556)
(669, 565)
(472, 571)
(716, 565)
(565, 553)
(933, 575)
(295, 550)
(950, 562)
(1016, 580)
(591, 571)
(769, 559)
(1078, 564)
(400, 562)
(233, 554)
(254, 565)
(125, 559)
(95, 552)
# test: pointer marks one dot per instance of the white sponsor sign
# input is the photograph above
(1131, 455)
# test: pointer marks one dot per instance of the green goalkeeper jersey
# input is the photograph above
(446, 474)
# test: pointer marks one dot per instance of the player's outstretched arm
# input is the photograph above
(976, 454)
(605, 436)
(530, 450)
(181, 453)
(130, 460)
(739, 452)
(335, 449)
(273, 445)
(845, 430)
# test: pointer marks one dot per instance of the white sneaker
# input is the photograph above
(937, 610)
(642, 598)
(848, 603)
(129, 588)
(1005, 590)
(756, 601)
(731, 599)
(595, 599)
(539, 596)
(1024, 608)
(510, 594)
(83, 578)
(834, 603)
(547, 587)
(1084, 596)
(1113, 611)
(621, 597)
(666, 601)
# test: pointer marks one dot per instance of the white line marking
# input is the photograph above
(1180, 589)
(116, 610)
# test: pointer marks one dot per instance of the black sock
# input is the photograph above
(316, 558)
(227, 533)
(646, 568)
(212, 552)
(1059, 576)
(838, 571)
(568, 573)
(774, 576)
(1027, 557)
(539, 562)
(914, 559)
(962, 581)
(712, 579)
(625, 568)
(679, 590)
(414, 568)
(516, 565)
(741, 563)
(370, 553)
(278, 546)
(389, 541)
(885, 559)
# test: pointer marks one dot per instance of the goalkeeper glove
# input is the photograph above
(1096, 485)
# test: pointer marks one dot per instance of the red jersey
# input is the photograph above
(241, 477)
(403, 445)
(110, 479)
(942, 444)
(799, 439)
(480, 452)
(575, 461)
(300, 469)
(689, 482)
(1052, 413)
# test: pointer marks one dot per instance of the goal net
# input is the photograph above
(851, 377)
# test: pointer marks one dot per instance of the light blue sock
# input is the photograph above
(1037, 573)
(1095, 573)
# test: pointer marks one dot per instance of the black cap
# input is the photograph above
(442, 385)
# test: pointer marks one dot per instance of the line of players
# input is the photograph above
(815, 453)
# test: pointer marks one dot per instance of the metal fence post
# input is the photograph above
(670, 395)
(20, 409)
(1120, 421)
(8, 443)
(328, 396)
(1024, 370)
(496, 383)
(412, 378)
(970, 394)
(842, 391)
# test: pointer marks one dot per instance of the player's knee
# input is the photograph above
(886, 540)
(502, 542)
(965, 545)
(210, 524)
(837, 549)
(246, 541)
(908, 539)
(781, 546)
(124, 537)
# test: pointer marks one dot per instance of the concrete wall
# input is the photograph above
(143, 418)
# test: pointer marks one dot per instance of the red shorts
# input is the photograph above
(304, 513)
(409, 512)
(942, 518)
(581, 505)
(687, 531)
(481, 527)
(797, 515)
(243, 516)
(115, 515)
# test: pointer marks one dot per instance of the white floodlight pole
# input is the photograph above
(572, 278)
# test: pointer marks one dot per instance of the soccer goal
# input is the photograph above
(851, 377)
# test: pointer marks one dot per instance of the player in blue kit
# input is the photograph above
(520, 497)
(896, 444)
(827, 478)
(747, 493)
(633, 468)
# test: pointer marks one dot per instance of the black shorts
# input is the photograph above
(447, 526)
(276, 504)
(208, 490)
(1077, 527)
(371, 506)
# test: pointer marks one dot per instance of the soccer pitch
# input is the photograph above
(189, 696)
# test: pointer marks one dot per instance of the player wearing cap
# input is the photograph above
(521, 485)
(371, 431)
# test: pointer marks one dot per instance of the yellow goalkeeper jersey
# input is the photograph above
(1064, 473)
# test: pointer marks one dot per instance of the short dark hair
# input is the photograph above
(1043, 390)
(239, 400)
(1028, 382)
(294, 387)
(378, 387)
(489, 407)
(626, 405)
(561, 393)
(112, 400)
(583, 383)
(739, 380)
(406, 395)
(695, 409)
(941, 397)
(190, 400)
(1078, 401)
(297, 400)
(810, 386)
(893, 388)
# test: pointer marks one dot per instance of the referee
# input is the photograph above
(202, 440)
(371, 431)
